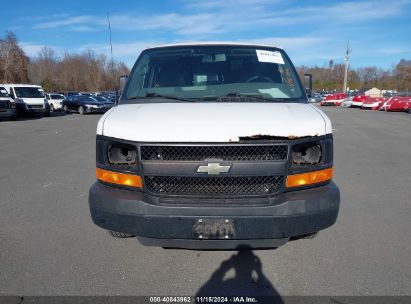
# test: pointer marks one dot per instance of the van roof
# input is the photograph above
(211, 43)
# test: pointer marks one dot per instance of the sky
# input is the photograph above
(311, 32)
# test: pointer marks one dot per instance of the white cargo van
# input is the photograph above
(214, 146)
(29, 99)
(7, 105)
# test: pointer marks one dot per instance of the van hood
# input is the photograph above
(33, 101)
(212, 122)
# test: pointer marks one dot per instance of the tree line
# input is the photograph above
(398, 77)
(87, 71)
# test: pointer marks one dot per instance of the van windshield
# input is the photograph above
(214, 73)
(29, 92)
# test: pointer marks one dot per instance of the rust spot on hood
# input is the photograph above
(292, 136)
(266, 137)
(272, 137)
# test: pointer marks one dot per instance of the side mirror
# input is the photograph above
(308, 84)
(122, 81)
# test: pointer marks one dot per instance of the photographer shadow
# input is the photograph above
(249, 279)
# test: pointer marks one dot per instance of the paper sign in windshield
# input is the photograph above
(3, 91)
(269, 56)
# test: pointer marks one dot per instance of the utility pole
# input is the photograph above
(111, 49)
(347, 62)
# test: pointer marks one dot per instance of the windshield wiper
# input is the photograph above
(247, 97)
(155, 95)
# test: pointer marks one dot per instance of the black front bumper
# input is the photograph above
(29, 109)
(7, 112)
(287, 215)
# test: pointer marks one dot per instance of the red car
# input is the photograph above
(373, 103)
(398, 104)
(386, 104)
(334, 99)
(358, 101)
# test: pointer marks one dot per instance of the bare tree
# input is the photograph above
(13, 60)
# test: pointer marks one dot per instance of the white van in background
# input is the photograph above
(7, 106)
(29, 99)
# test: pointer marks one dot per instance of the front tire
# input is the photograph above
(120, 235)
(81, 110)
(409, 111)
(66, 110)
(51, 108)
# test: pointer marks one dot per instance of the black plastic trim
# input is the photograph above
(289, 214)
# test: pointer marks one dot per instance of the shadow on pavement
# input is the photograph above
(249, 279)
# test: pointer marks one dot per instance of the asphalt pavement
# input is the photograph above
(49, 246)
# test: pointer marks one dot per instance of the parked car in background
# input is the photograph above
(55, 100)
(111, 95)
(72, 93)
(373, 103)
(346, 103)
(85, 104)
(86, 94)
(386, 104)
(7, 105)
(334, 99)
(358, 101)
(316, 97)
(29, 99)
(398, 104)
(103, 99)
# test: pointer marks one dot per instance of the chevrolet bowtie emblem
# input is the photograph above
(213, 169)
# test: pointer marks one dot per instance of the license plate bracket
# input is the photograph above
(213, 229)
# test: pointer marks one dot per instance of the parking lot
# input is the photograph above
(49, 246)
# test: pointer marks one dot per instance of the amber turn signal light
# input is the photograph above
(309, 178)
(119, 178)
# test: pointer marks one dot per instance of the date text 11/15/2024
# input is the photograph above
(204, 299)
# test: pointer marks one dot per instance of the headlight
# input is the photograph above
(307, 154)
(122, 154)
(311, 163)
(117, 163)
